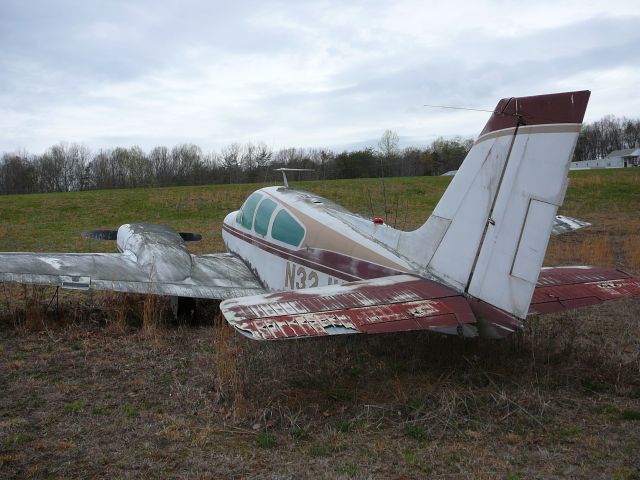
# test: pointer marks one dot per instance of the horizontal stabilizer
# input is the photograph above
(566, 288)
(563, 224)
(388, 304)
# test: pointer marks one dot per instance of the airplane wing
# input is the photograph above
(388, 304)
(566, 288)
(215, 276)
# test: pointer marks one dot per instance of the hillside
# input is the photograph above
(109, 388)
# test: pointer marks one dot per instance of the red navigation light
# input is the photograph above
(378, 220)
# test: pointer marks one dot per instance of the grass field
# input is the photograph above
(109, 389)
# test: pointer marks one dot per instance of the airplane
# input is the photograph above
(299, 265)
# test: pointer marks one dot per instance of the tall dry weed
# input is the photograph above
(586, 181)
(632, 252)
(228, 374)
(153, 310)
(596, 250)
(11, 305)
(120, 308)
(34, 307)
(588, 250)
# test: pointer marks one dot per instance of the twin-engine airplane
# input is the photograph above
(302, 266)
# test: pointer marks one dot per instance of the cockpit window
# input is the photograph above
(286, 229)
(245, 216)
(263, 216)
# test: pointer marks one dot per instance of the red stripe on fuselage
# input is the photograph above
(332, 263)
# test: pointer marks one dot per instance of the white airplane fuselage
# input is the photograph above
(296, 240)
(474, 267)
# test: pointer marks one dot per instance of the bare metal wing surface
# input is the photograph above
(216, 276)
(563, 224)
(388, 304)
(154, 259)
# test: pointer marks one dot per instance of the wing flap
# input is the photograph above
(566, 288)
(388, 304)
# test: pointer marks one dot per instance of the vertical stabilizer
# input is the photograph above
(488, 234)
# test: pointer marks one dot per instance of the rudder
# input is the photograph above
(488, 234)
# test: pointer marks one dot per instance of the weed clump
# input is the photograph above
(344, 426)
(299, 433)
(631, 415)
(266, 440)
(74, 407)
(414, 431)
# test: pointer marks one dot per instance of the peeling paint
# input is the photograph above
(564, 288)
(398, 303)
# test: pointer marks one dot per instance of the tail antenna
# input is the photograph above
(519, 115)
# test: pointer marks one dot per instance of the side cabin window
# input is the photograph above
(245, 216)
(263, 216)
(287, 229)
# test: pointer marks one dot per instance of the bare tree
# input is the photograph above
(389, 143)
(388, 146)
(263, 159)
(17, 173)
(160, 165)
(230, 157)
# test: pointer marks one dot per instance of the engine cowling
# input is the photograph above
(157, 249)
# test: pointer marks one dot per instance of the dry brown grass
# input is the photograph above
(590, 181)
(632, 249)
(228, 374)
(581, 249)
(600, 248)
(82, 401)
(154, 311)
(117, 324)
(25, 307)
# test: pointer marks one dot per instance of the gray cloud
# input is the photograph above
(149, 73)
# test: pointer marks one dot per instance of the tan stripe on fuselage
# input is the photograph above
(320, 236)
(524, 130)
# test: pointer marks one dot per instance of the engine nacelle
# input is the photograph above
(157, 249)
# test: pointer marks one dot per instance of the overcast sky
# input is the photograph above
(122, 73)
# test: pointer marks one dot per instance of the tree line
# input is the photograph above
(69, 167)
(610, 133)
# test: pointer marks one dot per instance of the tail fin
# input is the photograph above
(488, 234)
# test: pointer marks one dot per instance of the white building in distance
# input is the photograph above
(629, 157)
